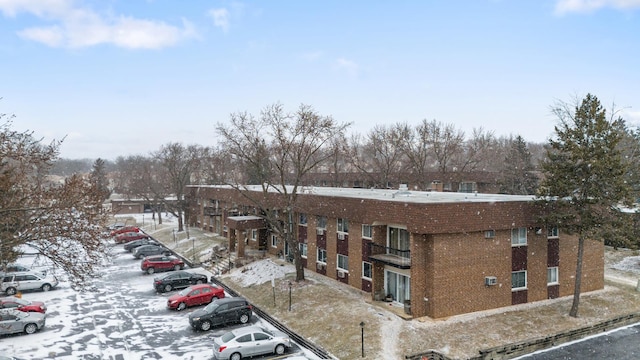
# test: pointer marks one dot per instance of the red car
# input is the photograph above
(194, 295)
(154, 263)
(130, 236)
(22, 305)
(125, 229)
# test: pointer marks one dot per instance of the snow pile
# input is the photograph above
(630, 264)
(260, 272)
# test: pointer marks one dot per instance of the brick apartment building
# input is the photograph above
(443, 253)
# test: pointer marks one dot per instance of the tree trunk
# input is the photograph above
(576, 292)
(180, 222)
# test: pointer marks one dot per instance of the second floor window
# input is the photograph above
(322, 222)
(343, 225)
(519, 236)
(366, 231)
(303, 219)
(322, 255)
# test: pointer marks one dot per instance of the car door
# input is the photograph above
(246, 347)
(219, 315)
(194, 297)
(164, 263)
(8, 323)
(206, 296)
(262, 343)
(28, 282)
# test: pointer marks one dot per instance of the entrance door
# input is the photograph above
(398, 285)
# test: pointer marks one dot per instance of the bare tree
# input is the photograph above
(418, 152)
(280, 149)
(60, 221)
(446, 142)
(180, 163)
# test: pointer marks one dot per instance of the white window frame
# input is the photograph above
(302, 219)
(342, 225)
(303, 249)
(274, 241)
(319, 253)
(552, 275)
(370, 266)
(517, 238)
(254, 234)
(553, 232)
(525, 280)
(367, 231)
(345, 259)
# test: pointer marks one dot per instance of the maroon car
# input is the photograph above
(130, 236)
(193, 296)
(155, 263)
(22, 305)
(125, 229)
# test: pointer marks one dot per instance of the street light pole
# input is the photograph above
(362, 336)
(289, 295)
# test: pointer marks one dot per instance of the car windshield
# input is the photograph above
(185, 292)
(211, 307)
(227, 337)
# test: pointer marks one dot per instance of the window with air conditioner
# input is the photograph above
(552, 232)
(343, 225)
(322, 255)
(490, 280)
(322, 222)
(519, 280)
(343, 262)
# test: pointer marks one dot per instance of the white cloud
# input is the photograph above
(220, 18)
(585, 6)
(347, 65)
(77, 27)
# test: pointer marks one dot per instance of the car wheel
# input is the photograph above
(235, 356)
(10, 291)
(176, 268)
(46, 287)
(181, 306)
(167, 288)
(244, 318)
(138, 256)
(151, 270)
(205, 326)
(30, 328)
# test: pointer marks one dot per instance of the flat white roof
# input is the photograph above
(393, 194)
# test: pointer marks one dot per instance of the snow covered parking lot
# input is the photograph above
(123, 318)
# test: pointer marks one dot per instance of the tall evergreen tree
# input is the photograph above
(584, 178)
(518, 177)
(99, 178)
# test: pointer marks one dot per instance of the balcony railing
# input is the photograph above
(394, 257)
(211, 211)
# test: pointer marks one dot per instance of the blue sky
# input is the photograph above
(123, 77)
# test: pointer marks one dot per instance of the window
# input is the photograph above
(322, 255)
(519, 236)
(398, 242)
(552, 275)
(322, 222)
(343, 225)
(366, 231)
(552, 232)
(519, 280)
(274, 241)
(254, 235)
(244, 338)
(303, 219)
(260, 336)
(303, 250)
(367, 270)
(343, 262)
(467, 187)
(490, 234)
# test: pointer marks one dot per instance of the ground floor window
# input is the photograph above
(552, 275)
(367, 270)
(343, 262)
(519, 280)
(322, 255)
(398, 286)
(274, 241)
(303, 250)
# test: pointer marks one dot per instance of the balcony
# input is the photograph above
(390, 256)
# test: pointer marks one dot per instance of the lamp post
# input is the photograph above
(174, 236)
(289, 295)
(362, 336)
(193, 249)
(142, 219)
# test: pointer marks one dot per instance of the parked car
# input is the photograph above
(177, 280)
(12, 283)
(14, 321)
(9, 357)
(130, 236)
(193, 296)
(221, 312)
(115, 226)
(249, 341)
(11, 302)
(135, 243)
(148, 250)
(124, 229)
(151, 264)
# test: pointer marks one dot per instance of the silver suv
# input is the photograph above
(15, 321)
(12, 283)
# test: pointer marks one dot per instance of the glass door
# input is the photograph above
(398, 285)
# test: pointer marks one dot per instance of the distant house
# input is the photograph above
(444, 253)
(121, 205)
